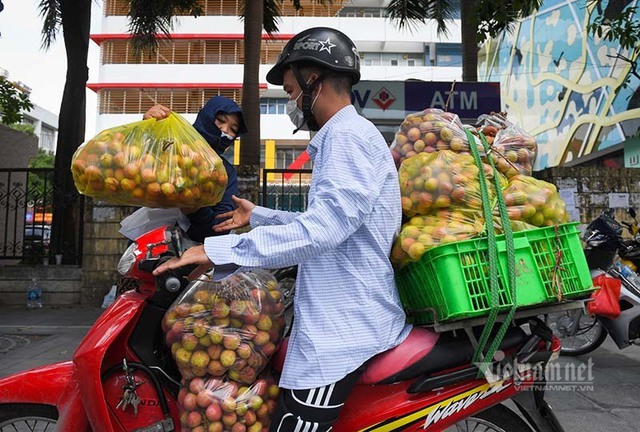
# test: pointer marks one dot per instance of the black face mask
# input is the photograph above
(219, 143)
(307, 98)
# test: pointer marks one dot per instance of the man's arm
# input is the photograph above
(345, 192)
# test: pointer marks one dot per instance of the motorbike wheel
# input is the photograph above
(27, 417)
(498, 418)
(588, 335)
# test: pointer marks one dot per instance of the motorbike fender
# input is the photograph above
(619, 328)
(89, 356)
(54, 385)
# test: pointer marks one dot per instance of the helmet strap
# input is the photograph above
(307, 97)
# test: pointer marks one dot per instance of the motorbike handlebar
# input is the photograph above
(173, 280)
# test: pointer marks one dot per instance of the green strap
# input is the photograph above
(511, 256)
(492, 254)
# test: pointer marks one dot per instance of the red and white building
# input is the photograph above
(205, 57)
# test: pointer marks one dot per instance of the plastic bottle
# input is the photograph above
(629, 274)
(34, 295)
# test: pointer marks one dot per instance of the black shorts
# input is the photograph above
(312, 410)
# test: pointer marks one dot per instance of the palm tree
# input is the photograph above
(147, 19)
(479, 19)
(74, 16)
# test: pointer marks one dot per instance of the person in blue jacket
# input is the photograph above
(220, 122)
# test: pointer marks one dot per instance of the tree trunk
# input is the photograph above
(250, 143)
(469, 24)
(76, 22)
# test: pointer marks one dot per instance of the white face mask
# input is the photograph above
(296, 115)
(227, 136)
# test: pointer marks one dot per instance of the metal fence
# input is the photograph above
(28, 203)
(285, 189)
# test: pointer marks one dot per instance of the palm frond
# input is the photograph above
(409, 13)
(496, 17)
(150, 18)
(49, 11)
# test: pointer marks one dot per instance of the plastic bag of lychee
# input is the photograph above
(152, 163)
(224, 405)
(429, 131)
(442, 180)
(513, 150)
(230, 327)
(532, 203)
(422, 233)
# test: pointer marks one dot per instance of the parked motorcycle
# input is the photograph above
(630, 252)
(580, 333)
(123, 378)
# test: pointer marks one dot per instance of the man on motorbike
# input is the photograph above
(346, 303)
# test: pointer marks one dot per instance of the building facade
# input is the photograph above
(565, 85)
(44, 122)
(45, 126)
(205, 57)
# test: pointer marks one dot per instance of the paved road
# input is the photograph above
(610, 403)
(613, 402)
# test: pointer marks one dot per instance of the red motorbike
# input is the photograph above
(123, 377)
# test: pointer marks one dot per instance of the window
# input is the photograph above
(371, 59)
(286, 155)
(392, 59)
(273, 105)
(359, 12)
(444, 54)
(47, 138)
(138, 101)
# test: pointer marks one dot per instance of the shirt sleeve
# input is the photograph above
(345, 192)
(267, 216)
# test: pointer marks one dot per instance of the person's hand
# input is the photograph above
(157, 112)
(236, 218)
(193, 255)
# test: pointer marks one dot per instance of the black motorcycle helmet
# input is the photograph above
(325, 47)
(321, 45)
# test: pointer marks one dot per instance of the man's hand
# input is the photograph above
(193, 255)
(157, 112)
(236, 218)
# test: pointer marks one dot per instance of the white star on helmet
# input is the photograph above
(326, 45)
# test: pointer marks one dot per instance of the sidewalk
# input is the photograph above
(57, 331)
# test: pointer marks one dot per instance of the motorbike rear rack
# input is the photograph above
(467, 325)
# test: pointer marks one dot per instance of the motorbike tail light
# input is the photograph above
(555, 348)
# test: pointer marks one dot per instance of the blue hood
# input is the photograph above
(205, 122)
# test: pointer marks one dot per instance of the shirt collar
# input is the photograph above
(346, 112)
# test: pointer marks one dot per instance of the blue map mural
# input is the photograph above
(559, 82)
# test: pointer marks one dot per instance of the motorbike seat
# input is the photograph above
(423, 352)
(445, 353)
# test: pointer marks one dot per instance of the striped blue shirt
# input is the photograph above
(346, 303)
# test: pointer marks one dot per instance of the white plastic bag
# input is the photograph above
(110, 297)
(145, 219)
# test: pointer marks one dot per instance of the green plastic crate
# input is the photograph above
(451, 282)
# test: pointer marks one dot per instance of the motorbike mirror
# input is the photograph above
(632, 213)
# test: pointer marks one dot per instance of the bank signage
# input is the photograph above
(393, 100)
